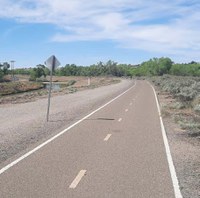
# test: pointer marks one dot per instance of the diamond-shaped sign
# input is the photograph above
(52, 63)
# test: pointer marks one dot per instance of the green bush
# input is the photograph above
(186, 94)
(186, 89)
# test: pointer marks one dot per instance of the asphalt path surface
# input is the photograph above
(118, 151)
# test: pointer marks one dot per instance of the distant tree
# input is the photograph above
(37, 72)
(6, 66)
(23, 71)
(111, 68)
(193, 62)
(154, 67)
(1, 75)
(165, 65)
(185, 69)
(46, 70)
(4, 70)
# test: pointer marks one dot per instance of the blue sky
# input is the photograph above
(86, 32)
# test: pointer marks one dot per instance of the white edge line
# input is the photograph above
(77, 179)
(59, 134)
(174, 178)
(107, 137)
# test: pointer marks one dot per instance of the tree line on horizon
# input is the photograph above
(152, 67)
(161, 66)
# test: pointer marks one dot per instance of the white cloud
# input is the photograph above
(164, 26)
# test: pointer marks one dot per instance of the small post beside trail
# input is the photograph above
(89, 81)
(52, 63)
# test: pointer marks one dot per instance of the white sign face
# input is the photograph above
(52, 63)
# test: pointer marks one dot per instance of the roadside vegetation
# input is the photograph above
(182, 101)
(161, 66)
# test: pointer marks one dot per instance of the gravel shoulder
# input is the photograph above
(186, 156)
(185, 150)
(23, 126)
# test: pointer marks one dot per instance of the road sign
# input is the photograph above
(52, 63)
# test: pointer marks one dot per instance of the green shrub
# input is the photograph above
(186, 89)
(187, 94)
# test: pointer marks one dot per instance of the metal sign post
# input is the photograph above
(52, 63)
(49, 101)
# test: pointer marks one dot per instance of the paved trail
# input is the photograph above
(116, 152)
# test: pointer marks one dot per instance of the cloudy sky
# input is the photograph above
(87, 31)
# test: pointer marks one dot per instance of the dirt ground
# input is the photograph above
(184, 145)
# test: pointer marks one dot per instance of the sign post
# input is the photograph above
(52, 63)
